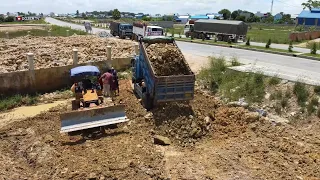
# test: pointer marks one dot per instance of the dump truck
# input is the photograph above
(153, 88)
(223, 30)
(141, 30)
(89, 109)
(122, 30)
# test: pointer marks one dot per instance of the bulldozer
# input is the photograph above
(89, 110)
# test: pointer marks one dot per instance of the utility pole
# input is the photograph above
(271, 7)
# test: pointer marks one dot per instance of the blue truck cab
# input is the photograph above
(153, 89)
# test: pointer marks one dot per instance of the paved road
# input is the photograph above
(74, 26)
(291, 68)
(286, 67)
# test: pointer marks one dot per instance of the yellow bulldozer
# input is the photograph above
(89, 109)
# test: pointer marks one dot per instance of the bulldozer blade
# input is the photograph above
(92, 117)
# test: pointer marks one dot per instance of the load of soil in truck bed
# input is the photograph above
(167, 60)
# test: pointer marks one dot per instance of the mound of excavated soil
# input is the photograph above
(167, 60)
(237, 144)
(57, 51)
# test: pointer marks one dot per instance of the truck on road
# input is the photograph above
(141, 30)
(223, 30)
(153, 88)
(121, 29)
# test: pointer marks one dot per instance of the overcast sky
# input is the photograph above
(150, 6)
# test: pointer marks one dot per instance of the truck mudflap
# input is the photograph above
(92, 118)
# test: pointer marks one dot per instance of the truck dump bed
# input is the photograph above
(170, 85)
(221, 26)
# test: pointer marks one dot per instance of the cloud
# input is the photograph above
(152, 7)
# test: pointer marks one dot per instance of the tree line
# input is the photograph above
(246, 16)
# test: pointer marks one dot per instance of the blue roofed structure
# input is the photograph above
(309, 18)
(199, 17)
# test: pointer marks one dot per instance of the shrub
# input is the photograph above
(301, 92)
(317, 90)
(274, 81)
(229, 41)
(248, 41)
(313, 49)
(290, 47)
(235, 62)
(268, 43)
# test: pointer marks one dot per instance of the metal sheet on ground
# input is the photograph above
(91, 118)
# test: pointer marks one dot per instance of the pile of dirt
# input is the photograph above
(230, 143)
(167, 60)
(188, 122)
(57, 51)
(35, 149)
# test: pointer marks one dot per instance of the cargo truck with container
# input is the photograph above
(155, 88)
(141, 30)
(122, 30)
(223, 30)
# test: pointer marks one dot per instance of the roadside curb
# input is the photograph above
(253, 49)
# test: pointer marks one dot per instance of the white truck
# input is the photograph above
(141, 30)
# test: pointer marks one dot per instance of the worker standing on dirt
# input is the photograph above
(107, 80)
(115, 78)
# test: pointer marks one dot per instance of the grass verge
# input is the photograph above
(55, 31)
(268, 49)
(40, 21)
(311, 55)
(11, 102)
(232, 85)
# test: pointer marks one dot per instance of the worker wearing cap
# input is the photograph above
(115, 78)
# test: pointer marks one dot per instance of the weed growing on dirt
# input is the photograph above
(278, 108)
(235, 62)
(288, 93)
(318, 112)
(311, 108)
(16, 101)
(301, 92)
(284, 102)
(317, 90)
(274, 81)
(232, 84)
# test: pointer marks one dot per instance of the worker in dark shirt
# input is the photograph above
(115, 78)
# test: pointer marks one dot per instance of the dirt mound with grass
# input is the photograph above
(57, 51)
(167, 60)
(226, 142)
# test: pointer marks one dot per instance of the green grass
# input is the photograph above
(277, 34)
(311, 55)
(232, 84)
(41, 21)
(55, 31)
(267, 49)
(301, 92)
(274, 81)
(11, 102)
(211, 41)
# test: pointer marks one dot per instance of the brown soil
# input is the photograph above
(167, 60)
(57, 51)
(221, 143)
(15, 27)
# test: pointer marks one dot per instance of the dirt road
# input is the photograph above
(209, 141)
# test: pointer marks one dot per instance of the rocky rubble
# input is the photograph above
(57, 51)
(167, 60)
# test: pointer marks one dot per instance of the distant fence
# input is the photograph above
(49, 79)
(299, 36)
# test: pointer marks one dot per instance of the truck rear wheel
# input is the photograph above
(219, 37)
(147, 101)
